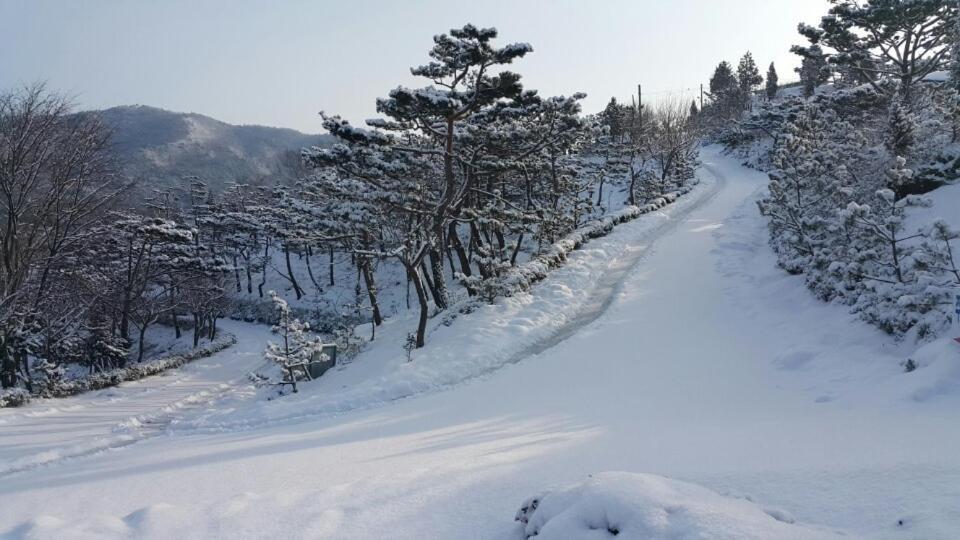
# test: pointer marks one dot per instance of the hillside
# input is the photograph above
(160, 148)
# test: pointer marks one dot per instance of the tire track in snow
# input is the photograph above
(187, 391)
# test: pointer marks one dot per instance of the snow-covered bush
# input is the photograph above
(14, 397)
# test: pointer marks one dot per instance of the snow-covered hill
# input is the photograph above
(708, 365)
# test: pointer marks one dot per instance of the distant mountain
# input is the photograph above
(158, 148)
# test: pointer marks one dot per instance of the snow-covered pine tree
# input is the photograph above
(773, 81)
(901, 129)
(904, 41)
(897, 297)
(298, 346)
(421, 133)
(813, 69)
(807, 185)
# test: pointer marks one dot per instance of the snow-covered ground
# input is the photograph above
(680, 350)
(46, 431)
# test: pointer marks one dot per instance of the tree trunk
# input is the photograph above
(197, 329)
(266, 260)
(213, 328)
(439, 281)
(458, 248)
(8, 368)
(249, 276)
(310, 272)
(414, 274)
(425, 273)
(174, 320)
(293, 279)
(516, 250)
(368, 280)
(236, 273)
(140, 343)
(330, 250)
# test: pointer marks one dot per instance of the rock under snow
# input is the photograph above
(646, 506)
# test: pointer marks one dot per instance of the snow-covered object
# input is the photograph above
(647, 507)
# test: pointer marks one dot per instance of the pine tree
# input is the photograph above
(813, 70)
(901, 130)
(748, 75)
(298, 346)
(723, 82)
(613, 118)
(725, 91)
(773, 81)
(887, 38)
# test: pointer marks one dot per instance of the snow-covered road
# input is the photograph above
(47, 431)
(709, 365)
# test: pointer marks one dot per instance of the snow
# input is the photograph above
(644, 507)
(673, 347)
(46, 431)
(945, 205)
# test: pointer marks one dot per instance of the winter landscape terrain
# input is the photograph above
(490, 313)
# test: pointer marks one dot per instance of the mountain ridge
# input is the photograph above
(161, 149)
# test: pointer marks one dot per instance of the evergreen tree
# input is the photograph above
(725, 91)
(773, 81)
(813, 70)
(694, 111)
(613, 118)
(298, 346)
(748, 75)
(901, 131)
(723, 82)
(905, 40)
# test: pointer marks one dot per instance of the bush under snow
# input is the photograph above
(646, 506)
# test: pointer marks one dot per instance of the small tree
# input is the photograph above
(773, 81)
(725, 90)
(298, 346)
(748, 76)
(813, 69)
(902, 129)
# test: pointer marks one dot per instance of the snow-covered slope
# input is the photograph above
(157, 148)
(709, 365)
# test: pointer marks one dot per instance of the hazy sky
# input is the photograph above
(279, 62)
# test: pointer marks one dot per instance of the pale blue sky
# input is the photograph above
(279, 62)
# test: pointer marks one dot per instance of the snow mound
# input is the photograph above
(646, 506)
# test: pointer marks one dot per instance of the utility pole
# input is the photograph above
(701, 96)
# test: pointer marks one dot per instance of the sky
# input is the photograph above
(280, 62)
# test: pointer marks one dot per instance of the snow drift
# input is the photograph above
(646, 506)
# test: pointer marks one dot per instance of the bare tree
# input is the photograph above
(54, 178)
